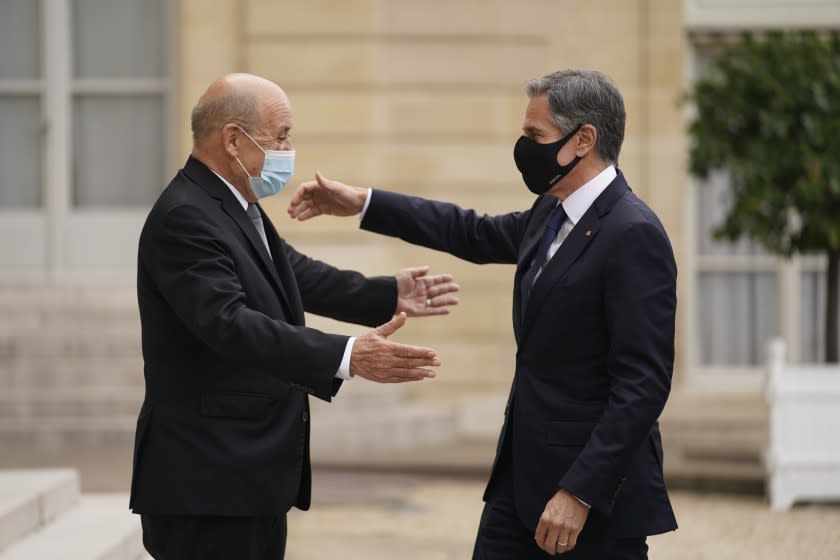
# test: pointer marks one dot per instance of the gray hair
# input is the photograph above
(579, 97)
(212, 113)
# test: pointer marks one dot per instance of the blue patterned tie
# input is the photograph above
(552, 226)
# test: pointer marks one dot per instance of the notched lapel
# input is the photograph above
(533, 235)
(572, 248)
(284, 269)
(201, 175)
(526, 254)
(570, 251)
(233, 209)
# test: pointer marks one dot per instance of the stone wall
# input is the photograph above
(423, 97)
(426, 98)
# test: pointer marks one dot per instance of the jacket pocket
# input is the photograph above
(236, 405)
(572, 433)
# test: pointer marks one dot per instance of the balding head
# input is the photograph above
(235, 98)
(235, 121)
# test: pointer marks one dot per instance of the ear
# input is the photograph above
(230, 139)
(587, 135)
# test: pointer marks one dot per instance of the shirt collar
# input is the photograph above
(577, 203)
(235, 192)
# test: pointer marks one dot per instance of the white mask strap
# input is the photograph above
(251, 139)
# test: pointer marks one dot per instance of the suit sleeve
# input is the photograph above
(191, 267)
(640, 303)
(446, 227)
(344, 295)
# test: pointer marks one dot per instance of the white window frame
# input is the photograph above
(788, 274)
(77, 245)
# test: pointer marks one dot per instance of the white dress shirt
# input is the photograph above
(343, 368)
(576, 205)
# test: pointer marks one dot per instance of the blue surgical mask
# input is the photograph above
(277, 169)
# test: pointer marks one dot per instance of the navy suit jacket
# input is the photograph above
(229, 364)
(595, 349)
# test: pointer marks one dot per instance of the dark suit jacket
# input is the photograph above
(595, 349)
(224, 427)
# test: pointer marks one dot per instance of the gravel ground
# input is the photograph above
(414, 519)
(365, 516)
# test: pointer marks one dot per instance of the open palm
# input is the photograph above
(421, 295)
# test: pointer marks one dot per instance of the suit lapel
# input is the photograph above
(207, 180)
(573, 246)
(571, 249)
(529, 245)
(284, 269)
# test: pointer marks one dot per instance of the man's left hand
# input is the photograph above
(561, 523)
(421, 295)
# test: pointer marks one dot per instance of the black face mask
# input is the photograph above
(538, 162)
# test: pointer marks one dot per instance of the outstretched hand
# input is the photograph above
(325, 196)
(420, 295)
(376, 358)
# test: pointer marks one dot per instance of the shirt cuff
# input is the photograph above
(365, 207)
(581, 501)
(344, 368)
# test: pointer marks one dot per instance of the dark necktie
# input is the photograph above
(552, 226)
(254, 213)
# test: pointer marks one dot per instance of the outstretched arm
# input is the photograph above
(325, 197)
(437, 225)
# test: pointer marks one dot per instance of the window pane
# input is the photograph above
(118, 146)
(714, 199)
(20, 152)
(118, 38)
(738, 312)
(812, 317)
(20, 45)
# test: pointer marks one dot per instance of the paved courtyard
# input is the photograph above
(367, 517)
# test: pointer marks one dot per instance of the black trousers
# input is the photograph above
(502, 536)
(169, 537)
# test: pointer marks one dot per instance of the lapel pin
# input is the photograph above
(588, 233)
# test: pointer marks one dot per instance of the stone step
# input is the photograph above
(99, 528)
(125, 399)
(68, 430)
(715, 436)
(392, 427)
(74, 342)
(29, 499)
(361, 394)
(61, 373)
(76, 401)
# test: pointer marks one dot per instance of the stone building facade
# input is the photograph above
(416, 96)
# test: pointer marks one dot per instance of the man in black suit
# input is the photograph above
(578, 470)
(222, 444)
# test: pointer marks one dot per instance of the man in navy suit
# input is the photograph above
(578, 469)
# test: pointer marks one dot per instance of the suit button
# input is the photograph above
(305, 416)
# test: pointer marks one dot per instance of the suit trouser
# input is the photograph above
(170, 537)
(502, 536)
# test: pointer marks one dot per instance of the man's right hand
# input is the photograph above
(376, 358)
(324, 196)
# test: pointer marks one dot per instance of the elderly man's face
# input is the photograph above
(274, 134)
